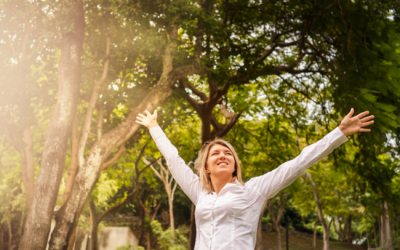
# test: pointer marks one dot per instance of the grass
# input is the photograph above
(297, 242)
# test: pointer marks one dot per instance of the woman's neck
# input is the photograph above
(219, 182)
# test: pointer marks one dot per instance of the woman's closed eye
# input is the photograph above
(227, 153)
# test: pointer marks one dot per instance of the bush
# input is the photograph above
(129, 247)
(165, 239)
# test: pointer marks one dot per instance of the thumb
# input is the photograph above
(351, 113)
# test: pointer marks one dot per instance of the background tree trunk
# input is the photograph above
(375, 238)
(386, 231)
(72, 240)
(73, 167)
(315, 233)
(349, 237)
(1, 238)
(325, 227)
(167, 180)
(37, 225)
(10, 235)
(29, 165)
(259, 228)
(366, 229)
(192, 228)
(94, 226)
(275, 221)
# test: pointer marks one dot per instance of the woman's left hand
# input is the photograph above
(351, 125)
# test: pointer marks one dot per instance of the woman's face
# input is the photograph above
(220, 161)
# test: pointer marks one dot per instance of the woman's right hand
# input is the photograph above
(149, 120)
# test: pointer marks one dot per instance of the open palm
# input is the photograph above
(351, 125)
(149, 120)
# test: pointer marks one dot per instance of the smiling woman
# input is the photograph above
(218, 164)
(227, 210)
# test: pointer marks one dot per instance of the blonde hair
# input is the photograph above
(201, 163)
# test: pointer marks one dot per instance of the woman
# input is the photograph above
(228, 210)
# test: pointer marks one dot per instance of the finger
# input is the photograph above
(365, 119)
(361, 115)
(351, 113)
(365, 130)
(147, 112)
(155, 113)
(141, 116)
(139, 122)
(367, 123)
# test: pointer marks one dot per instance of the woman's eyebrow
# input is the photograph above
(224, 150)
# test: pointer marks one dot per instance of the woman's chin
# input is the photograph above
(224, 171)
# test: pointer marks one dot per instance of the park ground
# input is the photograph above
(298, 242)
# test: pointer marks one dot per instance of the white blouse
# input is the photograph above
(229, 220)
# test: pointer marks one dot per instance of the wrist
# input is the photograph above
(343, 129)
(152, 125)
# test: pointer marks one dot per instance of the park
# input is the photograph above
(269, 77)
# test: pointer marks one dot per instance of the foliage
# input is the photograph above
(129, 247)
(165, 239)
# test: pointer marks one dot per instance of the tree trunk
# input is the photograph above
(366, 229)
(349, 237)
(1, 238)
(72, 240)
(171, 216)
(259, 228)
(386, 231)
(93, 226)
(375, 238)
(10, 235)
(167, 179)
(325, 227)
(37, 226)
(275, 223)
(192, 232)
(259, 235)
(397, 226)
(315, 233)
(29, 183)
(73, 167)
(326, 230)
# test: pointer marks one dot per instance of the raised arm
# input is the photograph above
(187, 180)
(269, 184)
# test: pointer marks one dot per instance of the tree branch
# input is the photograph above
(189, 99)
(121, 150)
(115, 207)
(91, 106)
(197, 92)
(228, 115)
(100, 121)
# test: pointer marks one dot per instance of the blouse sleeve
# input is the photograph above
(183, 175)
(269, 184)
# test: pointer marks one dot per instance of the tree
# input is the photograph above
(163, 175)
(326, 226)
(96, 218)
(37, 225)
